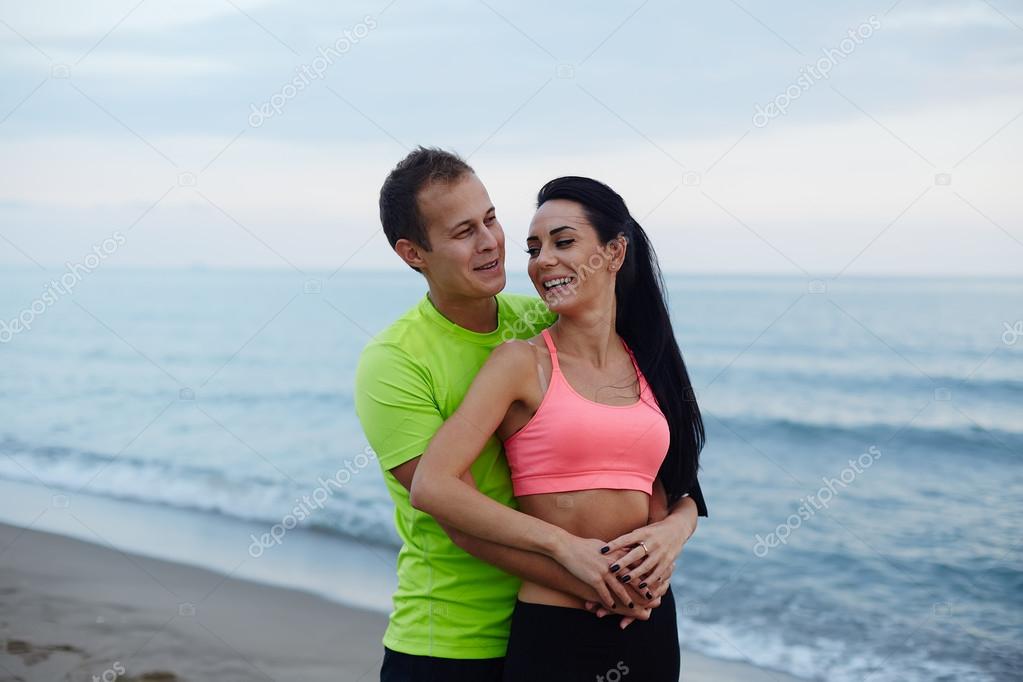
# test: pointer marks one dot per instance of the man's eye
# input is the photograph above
(491, 220)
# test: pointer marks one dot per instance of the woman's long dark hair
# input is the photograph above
(642, 320)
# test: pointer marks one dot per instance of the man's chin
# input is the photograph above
(490, 283)
(494, 288)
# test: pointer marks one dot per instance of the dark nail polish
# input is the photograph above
(626, 578)
(649, 596)
(614, 569)
(642, 585)
(605, 550)
(631, 605)
(612, 605)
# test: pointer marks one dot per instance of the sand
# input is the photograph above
(72, 610)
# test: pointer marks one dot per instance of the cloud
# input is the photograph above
(125, 63)
(816, 184)
(798, 192)
(60, 19)
(957, 16)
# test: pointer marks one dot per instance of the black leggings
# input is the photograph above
(569, 645)
(400, 667)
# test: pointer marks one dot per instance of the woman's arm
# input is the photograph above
(438, 488)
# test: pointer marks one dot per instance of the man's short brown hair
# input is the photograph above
(399, 205)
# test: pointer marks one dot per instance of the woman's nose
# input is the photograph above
(547, 258)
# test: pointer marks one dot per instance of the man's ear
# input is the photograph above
(410, 252)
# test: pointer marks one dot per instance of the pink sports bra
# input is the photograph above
(573, 443)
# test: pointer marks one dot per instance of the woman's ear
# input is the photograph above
(617, 249)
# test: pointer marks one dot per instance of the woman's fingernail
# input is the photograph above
(605, 550)
(631, 605)
(626, 578)
(614, 568)
(649, 596)
(642, 585)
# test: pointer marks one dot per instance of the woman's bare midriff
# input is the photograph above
(602, 514)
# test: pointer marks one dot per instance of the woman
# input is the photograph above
(599, 423)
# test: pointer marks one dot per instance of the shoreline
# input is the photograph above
(75, 610)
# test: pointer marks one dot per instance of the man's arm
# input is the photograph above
(439, 489)
(395, 402)
(531, 566)
(684, 513)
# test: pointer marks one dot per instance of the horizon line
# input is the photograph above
(317, 270)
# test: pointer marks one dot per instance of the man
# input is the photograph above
(456, 593)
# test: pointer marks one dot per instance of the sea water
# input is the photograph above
(862, 468)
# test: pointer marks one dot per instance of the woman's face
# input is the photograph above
(568, 265)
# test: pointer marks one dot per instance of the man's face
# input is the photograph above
(466, 259)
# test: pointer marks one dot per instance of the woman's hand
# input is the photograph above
(652, 552)
(583, 558)
(644, 599)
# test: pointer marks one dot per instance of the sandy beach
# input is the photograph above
(79, 611)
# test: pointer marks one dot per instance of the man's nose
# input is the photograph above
(488, 241)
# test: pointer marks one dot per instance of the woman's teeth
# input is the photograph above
(561, 281)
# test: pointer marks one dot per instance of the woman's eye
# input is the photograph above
(533, 252)
(564, 242)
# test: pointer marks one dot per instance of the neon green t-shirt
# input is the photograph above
(411, 377)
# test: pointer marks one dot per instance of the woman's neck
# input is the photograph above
(590, 337)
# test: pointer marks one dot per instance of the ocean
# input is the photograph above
(862, 467)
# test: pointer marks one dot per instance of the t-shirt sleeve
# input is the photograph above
(697, 494)
(395, 404)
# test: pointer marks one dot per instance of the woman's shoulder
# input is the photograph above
(515, 353)
(519, 355)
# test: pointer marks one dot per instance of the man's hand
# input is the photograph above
(628, 615)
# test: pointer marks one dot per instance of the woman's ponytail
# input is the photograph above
(642, 319)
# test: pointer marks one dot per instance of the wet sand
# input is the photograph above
(73, 610)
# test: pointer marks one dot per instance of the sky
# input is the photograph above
(812, 139)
